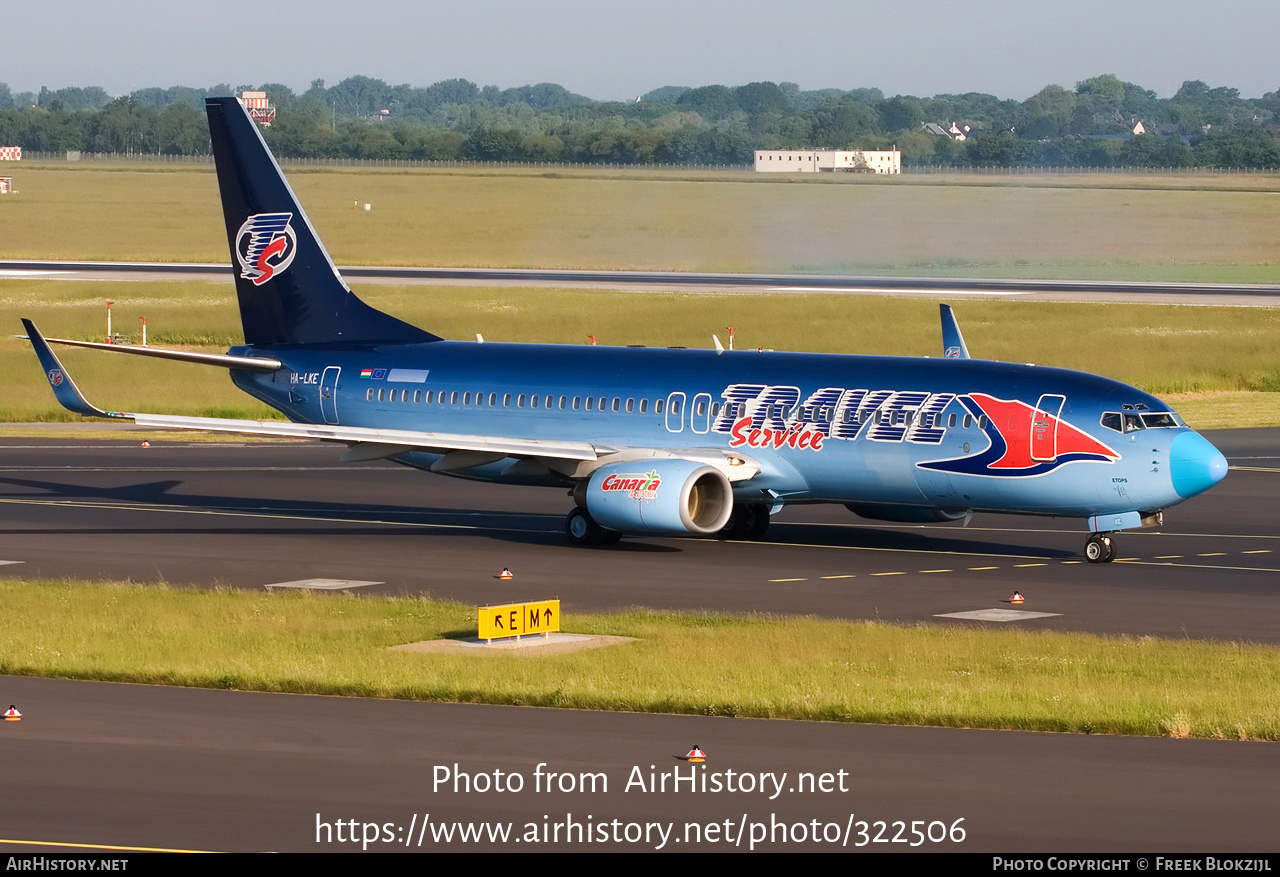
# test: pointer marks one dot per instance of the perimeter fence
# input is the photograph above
(983, 170)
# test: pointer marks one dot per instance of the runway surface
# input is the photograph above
(140, 766)
(251, 515)
(1222, 294)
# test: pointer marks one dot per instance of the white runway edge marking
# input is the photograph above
(7, 562)
(998, 615)
(893, 290)
(323, 584)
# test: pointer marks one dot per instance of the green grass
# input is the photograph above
(1117, 227)
(760, 666)
(1198, 354)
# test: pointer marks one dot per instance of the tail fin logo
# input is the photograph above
(265, 245)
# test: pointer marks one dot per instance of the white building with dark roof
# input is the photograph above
(867, 161)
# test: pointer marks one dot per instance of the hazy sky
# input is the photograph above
(1010, 48)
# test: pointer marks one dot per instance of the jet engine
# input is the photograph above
(660, 496)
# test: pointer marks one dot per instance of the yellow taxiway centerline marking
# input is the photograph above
(840, 577)
(1198, 566)
(888, 574)
(788, 580)
(935, 570)
(51, 843)
(1258, 551)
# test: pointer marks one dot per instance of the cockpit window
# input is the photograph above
(1159, 420)
(1131, 421)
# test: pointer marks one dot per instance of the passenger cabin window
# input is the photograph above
(658, 405)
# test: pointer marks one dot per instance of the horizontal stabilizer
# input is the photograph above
(258, 364)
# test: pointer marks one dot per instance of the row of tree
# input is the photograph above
(455, 119)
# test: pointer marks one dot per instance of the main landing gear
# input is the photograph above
(582, 529)
(747, 522)
(1098, 548)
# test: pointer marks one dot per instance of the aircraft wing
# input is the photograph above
(385, 439)
(570, 458)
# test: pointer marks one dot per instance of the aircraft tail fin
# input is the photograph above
(289, 290)
(952, 341)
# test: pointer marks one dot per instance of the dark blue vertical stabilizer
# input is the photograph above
(289, 290)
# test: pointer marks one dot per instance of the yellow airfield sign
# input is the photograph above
(518, 619)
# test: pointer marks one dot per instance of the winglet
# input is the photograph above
(952, 341)
(64, 388)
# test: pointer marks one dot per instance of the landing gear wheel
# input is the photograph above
(756, 521)
(609, 537)
(581, 529)
(1099, 549)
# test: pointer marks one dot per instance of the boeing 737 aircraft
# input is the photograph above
(667, 441)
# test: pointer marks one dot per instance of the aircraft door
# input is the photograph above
(675, 412)
(329, 393)
(1044, 427)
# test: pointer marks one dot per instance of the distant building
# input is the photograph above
(956, 130)
(260, 109)
(867, 161)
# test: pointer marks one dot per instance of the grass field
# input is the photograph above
(1110, 227)
(768, 667)
(1214, 361)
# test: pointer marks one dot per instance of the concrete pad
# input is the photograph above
(535, 645)
(998, 615)
(323, 584)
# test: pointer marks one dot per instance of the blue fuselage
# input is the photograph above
(874, 430)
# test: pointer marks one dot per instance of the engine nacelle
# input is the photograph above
(672, 496)
(904, 514)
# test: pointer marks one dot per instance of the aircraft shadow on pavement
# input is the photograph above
(530, 528)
